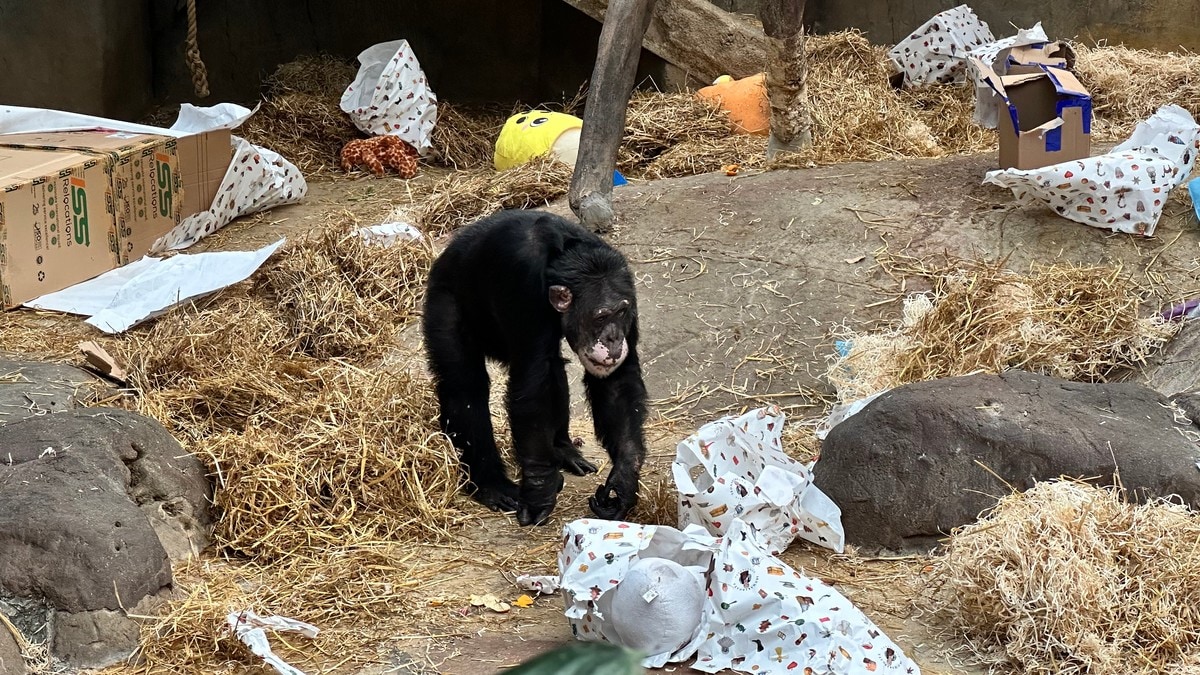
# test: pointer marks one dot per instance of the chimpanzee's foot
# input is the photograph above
(613, 502)
(498, 496)
(573, 462)
(538, 498)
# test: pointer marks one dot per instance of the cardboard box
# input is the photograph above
(1045, 115)
(203, 160)
(57, 226)
(147, 186)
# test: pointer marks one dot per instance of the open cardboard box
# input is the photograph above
(1045, 113)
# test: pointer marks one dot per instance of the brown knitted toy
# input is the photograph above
(380, 153)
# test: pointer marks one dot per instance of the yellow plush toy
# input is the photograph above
(532, 134)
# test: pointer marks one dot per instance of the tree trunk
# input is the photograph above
(698, 37)
(791, 124)
(604, 117)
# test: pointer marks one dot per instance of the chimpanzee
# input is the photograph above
(509, 287)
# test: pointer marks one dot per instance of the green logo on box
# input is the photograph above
(166, 192)
(79, 213)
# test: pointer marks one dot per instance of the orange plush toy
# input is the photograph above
(745, 99)
(380, 153)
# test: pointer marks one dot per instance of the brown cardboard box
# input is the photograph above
(1045, 115)
(203, 160)
(146, 182)
(57, 226)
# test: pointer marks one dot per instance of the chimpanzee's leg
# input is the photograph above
(619, 411)
(460, 375)
(568, 453)
(536, 394)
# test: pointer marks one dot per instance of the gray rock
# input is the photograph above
(1176, 368)
(32, 388)
(92, 502)
(910, 466)
(11, 662)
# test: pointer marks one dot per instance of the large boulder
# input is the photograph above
(925, 458)
(94, 505)
(1176, 368)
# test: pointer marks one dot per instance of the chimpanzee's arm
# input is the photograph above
(537, 397)
(619, 412)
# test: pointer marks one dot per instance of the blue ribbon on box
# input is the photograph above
(1068, 99)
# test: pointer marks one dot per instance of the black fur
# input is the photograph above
(489, 297)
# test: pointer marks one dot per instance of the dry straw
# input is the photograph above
(1070, 578)
(1128, 85)
(656, 122)
(464, 138)
(467, 196)
(1077, 323)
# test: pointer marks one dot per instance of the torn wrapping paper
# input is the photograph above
(1123, 190)
(757, 614)
(251, 630)
(937, 51)
(122, 298)
(540, 584)
(191, 120)
(766, 618)
(258, 179)
(597, 554)
(390, 95)
(387, 234)
(735, 468)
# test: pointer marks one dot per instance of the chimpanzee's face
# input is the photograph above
(595, 323)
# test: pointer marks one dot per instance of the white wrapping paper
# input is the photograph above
(258, 179)
(766, 618)
(986, 98)
(1123, 190)
(937, 51)
(759, 614)
(735, 468)
(390, 95)
(251, 629)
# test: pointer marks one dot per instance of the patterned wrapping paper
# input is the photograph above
(759, 614)
(257, 179)
(764, 617)
(736, 468)
(1123, 190)
(937, 51)
(391, 95)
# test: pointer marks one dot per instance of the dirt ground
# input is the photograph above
(743, 283)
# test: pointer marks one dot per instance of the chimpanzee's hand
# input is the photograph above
(613, 501)
(498, 496)
(539, 495)
(573, 462)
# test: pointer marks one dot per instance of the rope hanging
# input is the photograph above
(192, 54)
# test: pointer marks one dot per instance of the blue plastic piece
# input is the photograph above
(1194, 191)
(618, 179)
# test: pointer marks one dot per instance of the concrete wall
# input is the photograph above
(1148, 24)
(88, 56)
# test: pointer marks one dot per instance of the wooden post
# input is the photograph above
(787, 70)
(604, 117)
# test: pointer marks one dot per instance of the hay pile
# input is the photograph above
(1076, 323)
(467, 196)
(464, 138)
(326, 467)
(301, 118)
(1128, 85)
(656, 123)
(1069, 578)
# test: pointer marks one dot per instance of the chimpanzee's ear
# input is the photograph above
(560, 298)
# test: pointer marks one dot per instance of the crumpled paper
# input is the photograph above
(596, 555)
(388, 234)
(538, 583)
(759, 615)
(251, 629)
(735, 468)
(127, 296)
(765, 617)
(390, 95)
(258, 179)
(937, 51)
(1123, 190)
